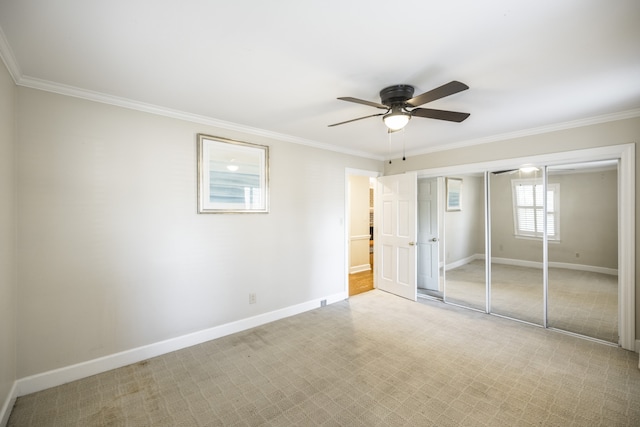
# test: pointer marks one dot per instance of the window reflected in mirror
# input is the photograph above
(516, 201)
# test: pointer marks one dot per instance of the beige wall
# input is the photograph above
(111, 252)
(597, 135)
(359, 222)
(8, 286)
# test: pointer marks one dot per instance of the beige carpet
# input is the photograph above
(581, 302)
(374, 360)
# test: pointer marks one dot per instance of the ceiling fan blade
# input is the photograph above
(450, 116)
(437, 93)
(359, 118)
(362, 101)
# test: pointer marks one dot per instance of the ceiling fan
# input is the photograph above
(400, 105)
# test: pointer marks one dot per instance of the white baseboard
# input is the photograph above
(565, 265)
(359, 268)
(463, 261)
(5, 411)
(532, 264)
(67, 374)
(582, 267)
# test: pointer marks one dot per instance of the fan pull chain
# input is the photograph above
(403, 146)
(401, 136)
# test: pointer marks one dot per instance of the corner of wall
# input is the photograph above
(5, 410)
(8, 221)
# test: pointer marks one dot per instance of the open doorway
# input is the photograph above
(361, 190)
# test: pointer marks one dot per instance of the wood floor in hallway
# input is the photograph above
(361, 282)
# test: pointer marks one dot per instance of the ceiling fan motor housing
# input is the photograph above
(397, 94)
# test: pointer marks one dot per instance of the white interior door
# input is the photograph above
(428, 271)
(396, 223)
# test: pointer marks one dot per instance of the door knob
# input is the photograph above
(412, 243)
(435, 239)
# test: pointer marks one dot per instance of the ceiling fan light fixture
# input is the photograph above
(396, 120)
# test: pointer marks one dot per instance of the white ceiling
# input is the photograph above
(275, 68)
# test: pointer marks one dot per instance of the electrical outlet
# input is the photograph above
(252, 298)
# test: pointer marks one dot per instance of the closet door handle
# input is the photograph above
(435, 239)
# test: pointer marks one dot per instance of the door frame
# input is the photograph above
(626, 215)
(347, 222)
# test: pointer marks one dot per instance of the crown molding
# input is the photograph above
(75, 92)
(9, 59)
(622, 115)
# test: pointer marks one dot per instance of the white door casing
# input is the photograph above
(396, 232)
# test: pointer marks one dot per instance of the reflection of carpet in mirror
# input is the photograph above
(582, 302)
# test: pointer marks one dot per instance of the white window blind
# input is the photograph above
(528, 211)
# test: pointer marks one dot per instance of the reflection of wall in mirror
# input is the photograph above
(464, 230)
(588, 221)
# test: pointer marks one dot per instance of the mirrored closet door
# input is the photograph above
(583, 249)
(464, 241)
(516, 206)
(537, 243)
